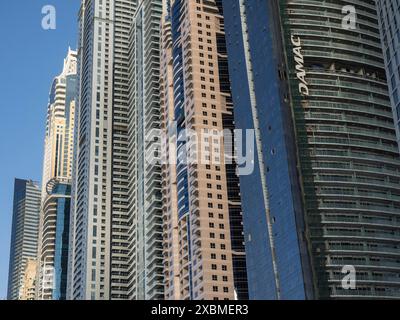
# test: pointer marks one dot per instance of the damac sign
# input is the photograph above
(300, 72)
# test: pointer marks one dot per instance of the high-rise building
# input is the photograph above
(54, 241)
(389, 18)
(325, 192)
(56, 184)
(99, 263)
(146, 254)
(203, 234)
(59, 137)
(171, 242)
(29, 283)
(24, 233)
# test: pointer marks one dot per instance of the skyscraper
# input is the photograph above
(99, 264)
(326, 157)
(171, 242)
(24, 233)
(146, 256)
(56, 184)
(53, 254)
(203, 236)
(389, 15)
(59, 136)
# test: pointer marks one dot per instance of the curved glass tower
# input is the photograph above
(330, 124)
(54, 240)
(347, 147)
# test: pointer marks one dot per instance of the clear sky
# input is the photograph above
(30, 57)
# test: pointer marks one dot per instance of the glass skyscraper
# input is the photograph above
(326, 158)
(53, 255)
(24, 234)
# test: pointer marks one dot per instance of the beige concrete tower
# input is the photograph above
(28, 284)
(59, 137)
(203, 233)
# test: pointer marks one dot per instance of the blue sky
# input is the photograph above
(30, 57)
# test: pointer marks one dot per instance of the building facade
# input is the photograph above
(53, 254)
(203, 237)
(56, 184)
(59, 136)
(24, 233)
(146, 256)
(389, 19)
(171, 243)
(99, 263)
(320, 106)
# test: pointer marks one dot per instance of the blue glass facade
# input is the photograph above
(318, 101)
(179, 98)
(61, 240)
(55, 241)
(179, 101)
(277, 263)
(70, 91)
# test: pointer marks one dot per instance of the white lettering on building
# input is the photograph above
(300, 72)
